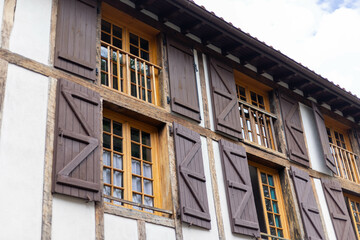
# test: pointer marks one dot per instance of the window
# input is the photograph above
(354, 208)
(269, 202)
(256, 119)
(130, 162)
(128, 56)
(345, 162)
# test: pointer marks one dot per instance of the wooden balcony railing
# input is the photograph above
(346, 164)
(271, 237)
(257, 125)
(128, 73)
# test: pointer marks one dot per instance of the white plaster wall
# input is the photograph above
(208, 92)
(324, 209)
(22, 154)
(192, 232)
(222, 194)
(30, 36)
(313, 140)
(156, 232)
(197, 75)
(119, 228)
(72, 219)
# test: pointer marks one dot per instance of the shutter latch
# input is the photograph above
(195, 67)
(168, 100)
(171, 130)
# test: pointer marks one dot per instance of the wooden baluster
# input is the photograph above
(347, 164)
(336, 160)
(273, 133)
(154, 84)
(343, 174)
(108, 63)
(245, 130)
(128, 72)
(137, 79)
(145, 79)
(262, 142)
(267, 135)
(356, 168)
(252, 123)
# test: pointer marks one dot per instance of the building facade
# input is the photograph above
(156, 119)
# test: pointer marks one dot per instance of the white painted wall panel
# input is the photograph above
(313, 140)
(22, 154)
(30, 36)
(208, 91)
(192, 232)
(324, 209)
(72, 219)
(120, 228)
(198, 85)
(156, 232)
(222, 194)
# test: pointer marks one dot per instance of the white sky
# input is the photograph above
(323, 35)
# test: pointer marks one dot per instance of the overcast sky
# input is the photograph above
(323, 35)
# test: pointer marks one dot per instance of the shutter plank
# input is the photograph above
(194, 207)
(308, 207)
(183, 87)
(224, 99)
(338, 211)
(294, 133)
(77, 153)
(321, 128)
(240, 198)
(75, 49)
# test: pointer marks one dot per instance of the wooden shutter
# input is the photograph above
(240, 198)
(293, 130)
(76, 168)
(338, 211)
(183, 88)
(320, 124)
(75, 49)
(194, 207)
(225, 103)
(308, 207)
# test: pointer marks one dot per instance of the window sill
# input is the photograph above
(268, 150)
(137, 215)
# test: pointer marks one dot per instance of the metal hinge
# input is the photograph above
(97, 72)
(168, 100)
(195, 67)
(171, 130)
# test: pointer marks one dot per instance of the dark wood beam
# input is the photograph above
(206, 40)
(329, 99)
(252, 57)
(142, 4)
(189, 27)
(233, 47)
(169, 14)
(267, 67)
(338, 105)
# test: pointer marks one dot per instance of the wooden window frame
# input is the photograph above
(282, 212)
(356, 225)
(129, 26)
(127, 124)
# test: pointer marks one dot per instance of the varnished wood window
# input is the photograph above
(256, 119)
(130, 162)
(128, 56)
(269, 202)
(354, 208)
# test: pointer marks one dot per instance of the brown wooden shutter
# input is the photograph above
(308, 207)
(225, 103)
(240, 198)
(293, 130)
(194, 207)
(75, 49)
(183, 88)
(320, 124)
(338, 211)
(76, 168)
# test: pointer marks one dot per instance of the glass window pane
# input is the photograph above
(275, 207)
(144, 44)
(118, 161)
(136, 184)
(148, 187)
(146, 154)
(280, 233)
(104, 79)
(117, 144)
(104, 65)
(115, 83)
(117, 31)
(118, 193)
(149, 201)
(271, 180)
(104, 52)
(263, 178)
(107, 175)
(118, 179)
(135, 135)
(266, 191)
(136, 167)
(145, 137)
(135, 150)
(273, 231)
(134, 50)
(145, 55)
(147, 170)
(105, 26)
(271, 219)
(272, 191)
(106, 158)
(137, 198)
(149, 97)
(117, 128)
(134, 39)
(133, 91)
(107, 190)
(106, 125)
(114, 69)
(277, 221)
(106, 141)
(268, 205)
(105, 37)
(117, 43)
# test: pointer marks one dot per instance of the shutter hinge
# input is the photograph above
(98, 10)
(200, 116)
(97, 71)
(178, 213)
(168, 100)
(171, 130)
(195, 67)
(277, 93)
